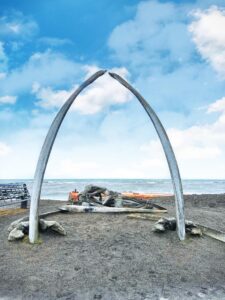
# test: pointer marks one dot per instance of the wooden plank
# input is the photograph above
(148, 217)
(213, 233)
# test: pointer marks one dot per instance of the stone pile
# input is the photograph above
(18, 229)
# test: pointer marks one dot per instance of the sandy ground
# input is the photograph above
(113, 257)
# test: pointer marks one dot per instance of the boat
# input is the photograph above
(144, 196)
(74, 196)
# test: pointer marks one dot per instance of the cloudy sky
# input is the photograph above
(173, 52)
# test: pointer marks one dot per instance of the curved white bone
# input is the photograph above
(44, 156)
(171, 159)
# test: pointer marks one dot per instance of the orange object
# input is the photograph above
(73, 196)
(142, 195)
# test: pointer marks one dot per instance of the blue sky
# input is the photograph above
(173, 52)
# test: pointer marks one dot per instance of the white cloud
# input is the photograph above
(209, 36)
(44, 67)
(8, 99)
(54, 42)
(102, 93)
(17, 25)
(4, 149)
(68, 168)
(49, 98)
(217, 106)
(80, 153)
(148, 41)
(157, 48)
(200, 149)
(108, 146)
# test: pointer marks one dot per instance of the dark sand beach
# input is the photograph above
(108, 256)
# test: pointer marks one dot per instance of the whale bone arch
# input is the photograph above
(50, 138)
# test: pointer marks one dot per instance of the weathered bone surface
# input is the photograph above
(50, 138)
(105, 209)
(171, 159)
(45, 153)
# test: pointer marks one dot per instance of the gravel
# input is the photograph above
(108, 256)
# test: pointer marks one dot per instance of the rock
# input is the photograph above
(20, 224)
(15, 234)
(20, 227)
(170, 223)
(201, 295)
(43, 225)
(15, 224)
(53, 225)
(164, 224)
(189, 224)
(196, 231)
(159, 228)
(167, 223)
(192, 228)
(24, 226)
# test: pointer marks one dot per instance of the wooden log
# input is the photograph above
(93, 209)
(149, 217)
(215, 234)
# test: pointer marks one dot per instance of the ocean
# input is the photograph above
(58, 189)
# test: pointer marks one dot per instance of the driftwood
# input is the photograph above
(198, 229)
(87, 209)
(148, 217)
(215, 234)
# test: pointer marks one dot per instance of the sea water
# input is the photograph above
(58, 189)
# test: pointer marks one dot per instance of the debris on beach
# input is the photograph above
(147, 217)
(99, 199)
(96, 209)
(18, 229)
(213, 233)
(164, 224)
(15, 234)
(196, 229)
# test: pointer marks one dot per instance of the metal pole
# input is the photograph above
(170, 156)
(44, 156)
